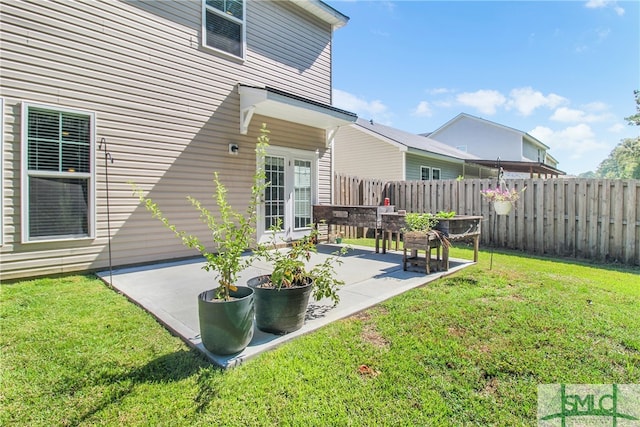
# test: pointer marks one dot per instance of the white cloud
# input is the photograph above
(603, 33)
(439, 91)
(423, 110)
(599, 4)
(576, 142)
(570, 115)
(526, 100)
(596, 106)
(485, 101)
(375, 109)
(565, 114)
(616, 128)
(596, 4)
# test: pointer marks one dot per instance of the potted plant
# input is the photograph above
(422, 226)
(420, 234)
(503, 199)
(226, 312)
(442, 224)
(282, 297)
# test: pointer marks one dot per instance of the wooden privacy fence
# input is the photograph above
(596, 219)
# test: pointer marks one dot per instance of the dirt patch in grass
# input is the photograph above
(370, 332)
(460, 281)
(456, 331)
(371, 335)
(483, 348)
(513, 297)
(490, 387)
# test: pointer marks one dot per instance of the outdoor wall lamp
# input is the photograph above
(233, 149)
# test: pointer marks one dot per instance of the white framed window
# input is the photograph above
(58, 173)
(425, 173)
(223, 26)
(1, 171)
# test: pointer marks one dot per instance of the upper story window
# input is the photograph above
(57, 173)
(223, 25)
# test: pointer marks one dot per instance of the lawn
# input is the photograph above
(469, 349)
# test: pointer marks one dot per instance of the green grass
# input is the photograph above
(469, 349)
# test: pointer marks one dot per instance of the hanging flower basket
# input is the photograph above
(502, 198)
(502, 207)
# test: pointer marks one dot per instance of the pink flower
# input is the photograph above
(499, 194)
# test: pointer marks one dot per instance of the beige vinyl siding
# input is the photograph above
(360, 154)
(447, 170)
(166, 107)
(324, 175)
(300, 50)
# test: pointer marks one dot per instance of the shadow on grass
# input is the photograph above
(487, 250)
(173, 367)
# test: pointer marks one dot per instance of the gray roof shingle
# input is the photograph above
(414, 141)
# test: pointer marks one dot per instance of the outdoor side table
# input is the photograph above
(427, 242)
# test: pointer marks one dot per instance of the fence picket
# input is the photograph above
(583, 218)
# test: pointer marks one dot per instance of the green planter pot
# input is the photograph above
(280, 311)
(226, 327)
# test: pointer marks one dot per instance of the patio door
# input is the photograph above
(289, 198)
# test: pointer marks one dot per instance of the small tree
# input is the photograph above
(624, 159)
(232, 232)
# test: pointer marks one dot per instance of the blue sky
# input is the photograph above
(563, 71)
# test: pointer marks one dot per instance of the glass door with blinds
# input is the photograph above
(289, 198)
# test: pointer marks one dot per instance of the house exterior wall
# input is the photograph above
(357, 153)
(482, 139)
(166, 107)
(448, 170)
(532, 152)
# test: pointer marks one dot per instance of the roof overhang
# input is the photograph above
(281, 105)
(323, 11)
(531, 168)
(535, 141)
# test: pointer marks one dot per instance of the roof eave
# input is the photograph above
(281, 105)
(323, 11)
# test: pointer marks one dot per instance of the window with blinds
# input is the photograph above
(58, 203)
(425, 173)
(224, 25)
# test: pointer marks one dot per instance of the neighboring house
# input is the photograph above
(98, 96)
(518, 152)
(370, 150)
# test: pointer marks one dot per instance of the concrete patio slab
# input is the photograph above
(169, 292)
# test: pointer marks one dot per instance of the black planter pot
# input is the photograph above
(443, 227)
(226, 327)
(280, 311)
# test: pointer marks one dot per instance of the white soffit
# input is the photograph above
(274, 103)
(323, 11)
